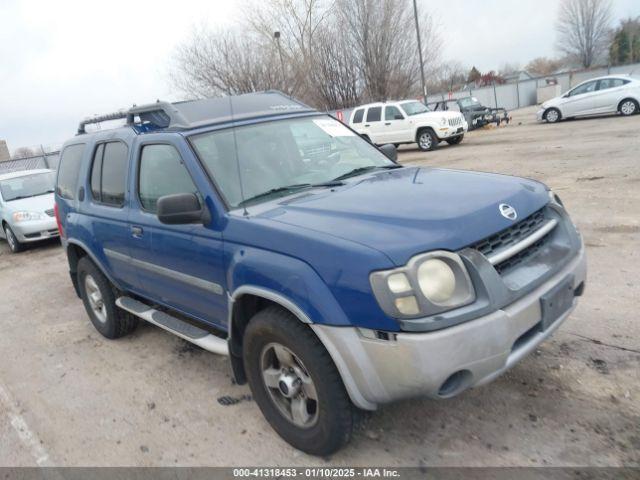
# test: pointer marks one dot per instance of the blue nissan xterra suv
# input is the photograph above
(333, 277)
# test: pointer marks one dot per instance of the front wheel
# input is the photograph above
(14, 244)
(552, 115)
(295, 383)
(455, 140)
(427, 140)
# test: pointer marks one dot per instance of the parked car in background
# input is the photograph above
(609, 94)
(27, 207)
(334, 282)
(407, 121)
(476, 114)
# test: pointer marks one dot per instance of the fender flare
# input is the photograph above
(93, 258)
(347, 379)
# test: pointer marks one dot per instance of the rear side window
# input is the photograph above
(357, 117)
(70, 163)
(611, 83)
(374, 114)
(109, 173)
(161, 173)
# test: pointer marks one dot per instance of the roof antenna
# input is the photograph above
(235, 149)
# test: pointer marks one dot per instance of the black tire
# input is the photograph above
(628, 107)
(552, 115)
(427, 140)
(14, 244)
(335, 413)
(455, 140)
(116, 322)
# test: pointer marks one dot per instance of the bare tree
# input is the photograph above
(583, 29)
(543, 65)
(23, 152)
(224, 62)
(448, 76)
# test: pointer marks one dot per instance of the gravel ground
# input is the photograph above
(69, 397)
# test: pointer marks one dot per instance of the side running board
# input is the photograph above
(182, 329)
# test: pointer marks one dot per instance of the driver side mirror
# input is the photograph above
(390, 151)
(181, 209)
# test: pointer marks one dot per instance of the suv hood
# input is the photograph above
(412, 210)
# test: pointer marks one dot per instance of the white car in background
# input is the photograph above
(407, 121)
(610, 94)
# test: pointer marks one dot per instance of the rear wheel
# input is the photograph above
(295, 383)
(14, 244)
(552, 115)
(427, 140)
(100, 302)
(455, 140)
(628, 107)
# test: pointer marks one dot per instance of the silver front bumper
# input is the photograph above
(419, 364)
(33, 231)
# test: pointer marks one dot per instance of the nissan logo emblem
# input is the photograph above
(507, 211)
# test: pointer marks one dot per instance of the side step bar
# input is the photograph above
(182, 329)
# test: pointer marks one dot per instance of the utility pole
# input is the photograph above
(276, 35)
(424, 86)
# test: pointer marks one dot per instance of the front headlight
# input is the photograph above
(26, 216)
(430, 283)
(443, 121)
(553, 198)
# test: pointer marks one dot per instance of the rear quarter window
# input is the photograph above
(69, 170)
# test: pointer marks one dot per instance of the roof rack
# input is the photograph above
(195, 113)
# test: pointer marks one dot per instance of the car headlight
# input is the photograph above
(430, 283)
(443, 121)
(26, 216)
(553, 198)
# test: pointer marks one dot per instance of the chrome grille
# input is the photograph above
(510, 236)
(51, 212)
(455, 122)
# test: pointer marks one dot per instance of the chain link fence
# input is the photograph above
(46, 160)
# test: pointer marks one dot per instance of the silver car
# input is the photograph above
(27, 207)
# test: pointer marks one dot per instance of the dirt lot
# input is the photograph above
(70, 397)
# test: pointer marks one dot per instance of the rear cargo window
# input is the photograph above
(69, 169)
(374, 114)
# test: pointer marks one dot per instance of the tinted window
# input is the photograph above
(162, 173)
(96, 172)
(585, 88)
(69, 170)
(357, 117)
(374, 114)
(390, 113)
(611, 83)
(114, 173)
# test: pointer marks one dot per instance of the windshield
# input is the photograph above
(276, 158)
(468, 102)
(27, 186)
(414, 108)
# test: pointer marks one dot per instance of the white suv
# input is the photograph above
(407, 121)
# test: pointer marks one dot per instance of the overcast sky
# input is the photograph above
(63, 60)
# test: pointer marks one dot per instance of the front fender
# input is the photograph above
(254, 270)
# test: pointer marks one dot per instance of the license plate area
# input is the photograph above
(556, 302)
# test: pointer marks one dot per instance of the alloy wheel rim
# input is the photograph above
(96, 302)
(289, 385)
(425, 141)
(628, 108)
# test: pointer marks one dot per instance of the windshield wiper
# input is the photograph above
(273, 191)
(359, 170)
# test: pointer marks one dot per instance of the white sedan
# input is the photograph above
(610, 94)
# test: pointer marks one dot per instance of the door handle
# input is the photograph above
(388, 123)
(137, 232)
(367, 125)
